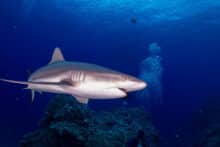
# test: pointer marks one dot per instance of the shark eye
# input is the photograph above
(123, 78)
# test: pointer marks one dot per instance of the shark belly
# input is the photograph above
(92, 92)
(109, 93)
(97, 90)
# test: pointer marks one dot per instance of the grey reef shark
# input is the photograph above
(84, 81)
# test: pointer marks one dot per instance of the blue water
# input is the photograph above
(101, 32)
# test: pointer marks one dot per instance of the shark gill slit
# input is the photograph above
(81, 77)
(84, 78)
(80, 73)
(77, 76)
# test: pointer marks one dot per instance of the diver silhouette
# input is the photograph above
(151, 71)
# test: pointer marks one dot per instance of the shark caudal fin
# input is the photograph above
(15, 82)
(32, 95)
(23, 83)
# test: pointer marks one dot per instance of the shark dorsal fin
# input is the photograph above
(57, 55)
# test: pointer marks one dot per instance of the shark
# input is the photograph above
(83, 81)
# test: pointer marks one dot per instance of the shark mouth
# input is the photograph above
(122, 89)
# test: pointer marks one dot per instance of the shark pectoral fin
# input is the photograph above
(82, 100)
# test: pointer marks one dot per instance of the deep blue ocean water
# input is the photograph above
(101, 32)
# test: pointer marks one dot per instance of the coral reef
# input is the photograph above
(69, 124)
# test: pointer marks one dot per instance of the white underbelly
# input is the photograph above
(98, 91)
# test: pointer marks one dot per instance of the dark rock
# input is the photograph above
(69, 124)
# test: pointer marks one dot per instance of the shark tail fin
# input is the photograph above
(32, 95)
(15, 82)
(23, 83)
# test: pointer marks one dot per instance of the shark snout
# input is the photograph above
(138, 85)
(133, 84)
(141, 85)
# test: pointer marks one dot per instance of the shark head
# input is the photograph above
(132, 84)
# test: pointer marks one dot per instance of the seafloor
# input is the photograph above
(67, 123)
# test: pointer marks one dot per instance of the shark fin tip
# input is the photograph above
(82, 100)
